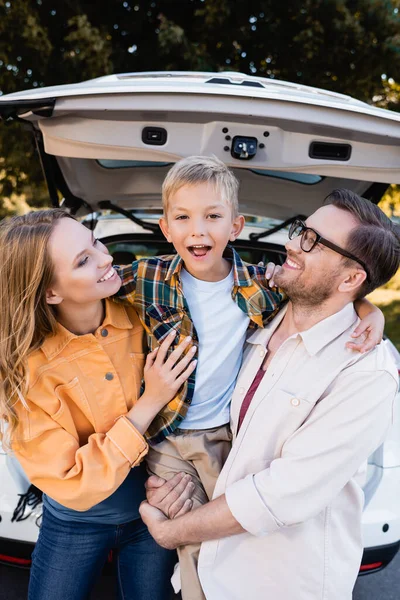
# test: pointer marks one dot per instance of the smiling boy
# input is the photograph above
(204, 291)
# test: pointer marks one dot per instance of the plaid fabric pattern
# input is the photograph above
(153, 287)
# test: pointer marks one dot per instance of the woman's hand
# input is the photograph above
(172, 497)
(163, 377)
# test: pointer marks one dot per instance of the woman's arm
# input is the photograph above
(79, 475)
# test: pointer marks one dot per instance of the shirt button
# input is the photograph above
(295, 402)
(241, 390)
(164, 317)
(104, 332)
(109, 376)
(262, 352)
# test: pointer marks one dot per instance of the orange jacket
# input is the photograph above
(75, 443)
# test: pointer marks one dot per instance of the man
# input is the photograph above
(285, 521)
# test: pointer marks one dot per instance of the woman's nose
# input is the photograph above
(105, 259)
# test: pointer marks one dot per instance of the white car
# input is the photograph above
(106, 146)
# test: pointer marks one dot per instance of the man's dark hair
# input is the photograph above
(376, 241)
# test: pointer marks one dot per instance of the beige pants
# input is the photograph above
(201, 453)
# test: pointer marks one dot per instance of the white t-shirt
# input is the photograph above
(221, 327)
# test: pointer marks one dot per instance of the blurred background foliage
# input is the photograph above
(349, 46)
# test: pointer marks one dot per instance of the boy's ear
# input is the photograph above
(163, 223)
(237, 227)
(52, 297)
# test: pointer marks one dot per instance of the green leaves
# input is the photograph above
(342, 45)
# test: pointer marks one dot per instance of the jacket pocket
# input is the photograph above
(74, 413)
(162, 319)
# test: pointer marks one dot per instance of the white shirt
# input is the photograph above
(221, 327)
(293, 478)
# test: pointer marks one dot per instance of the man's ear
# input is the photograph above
(353, 281)
(163, 223)
(237, 227)
(52, 297)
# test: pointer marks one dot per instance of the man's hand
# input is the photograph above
(172, 497)
(159, 526)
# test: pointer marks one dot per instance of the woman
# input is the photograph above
(71, 363)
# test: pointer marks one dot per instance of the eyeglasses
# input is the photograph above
(310, 238)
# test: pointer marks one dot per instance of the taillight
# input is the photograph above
(22, 562)
(371, 566)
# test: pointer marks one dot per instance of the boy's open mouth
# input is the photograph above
(199, 250)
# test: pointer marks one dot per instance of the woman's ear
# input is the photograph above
(52, 297)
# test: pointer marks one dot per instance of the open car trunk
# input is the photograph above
(113, 139)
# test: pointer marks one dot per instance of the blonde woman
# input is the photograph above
(71, 363)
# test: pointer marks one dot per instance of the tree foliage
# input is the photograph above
(343, 45)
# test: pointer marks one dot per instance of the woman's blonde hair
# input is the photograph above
(26, 272)
(202, 169)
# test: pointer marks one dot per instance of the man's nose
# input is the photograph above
(294, 244)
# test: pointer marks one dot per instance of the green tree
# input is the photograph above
(343, 45)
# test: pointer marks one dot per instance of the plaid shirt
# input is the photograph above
(153, 287)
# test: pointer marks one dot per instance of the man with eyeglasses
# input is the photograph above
(285, 521)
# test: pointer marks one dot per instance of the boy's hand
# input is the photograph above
(271, 272)
(172, 497)
(369, 331)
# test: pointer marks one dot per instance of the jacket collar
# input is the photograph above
(241, 276)
(116, 316)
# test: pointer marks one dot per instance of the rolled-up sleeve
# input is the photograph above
(77, 476)
(320, 458)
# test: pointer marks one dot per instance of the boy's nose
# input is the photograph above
(198, 229)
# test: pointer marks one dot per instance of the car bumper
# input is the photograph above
(16, 552)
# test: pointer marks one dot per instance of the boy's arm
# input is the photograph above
(371, 326)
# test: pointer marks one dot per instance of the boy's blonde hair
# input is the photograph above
(202, 169)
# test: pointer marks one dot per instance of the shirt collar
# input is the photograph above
(241, 276)
(327, 330)
(116, 316)
(175, 267)
(318, 336)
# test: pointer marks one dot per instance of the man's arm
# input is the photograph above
(209, 522)
(316, 462)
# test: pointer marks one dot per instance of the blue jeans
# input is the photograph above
(69, 557)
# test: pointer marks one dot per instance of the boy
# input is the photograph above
(207, 292)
